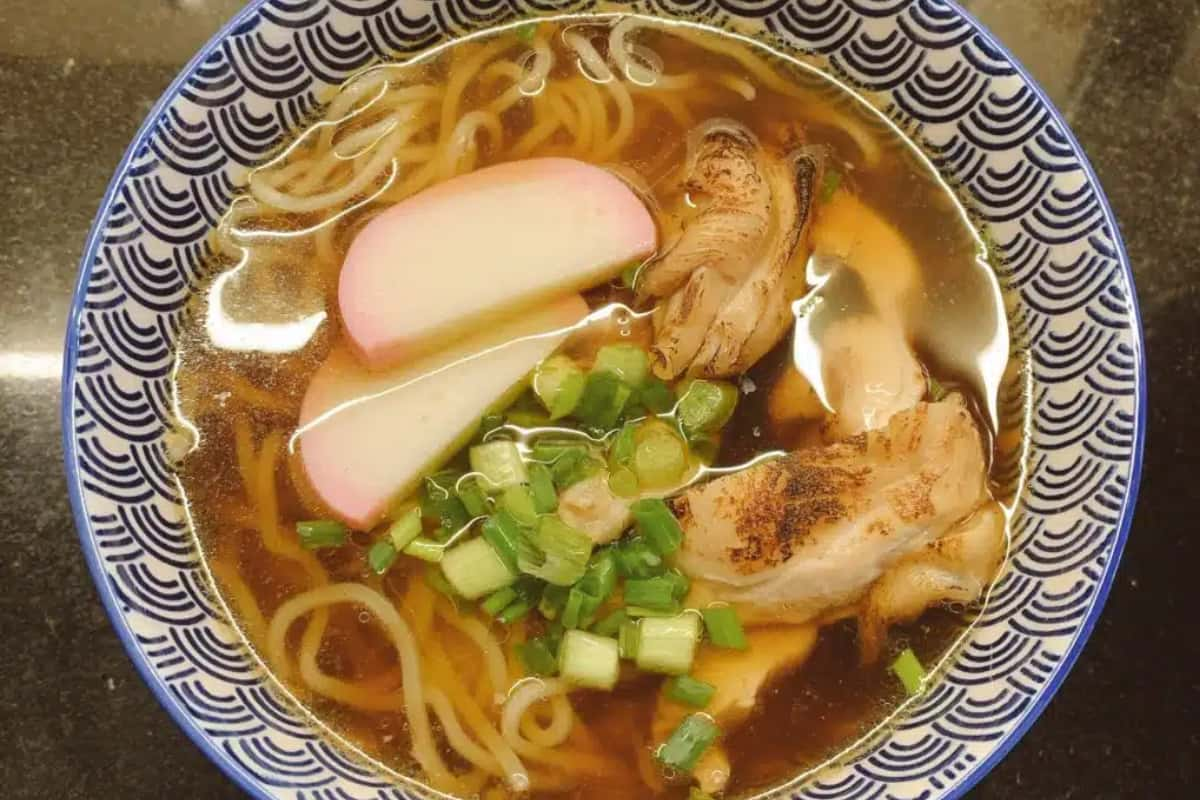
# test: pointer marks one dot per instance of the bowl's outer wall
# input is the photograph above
(940, 75)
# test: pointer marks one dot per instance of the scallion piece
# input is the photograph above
(515, 611)
(573, 467)
(657, 594)
(316, 534)
(643, 611)
(627, 361)
(656, 396)
(620, 453)
(601, 577)
(558, 383)
(580, 609)
(589, 661)
(611, 624)
(668, 644)
(627, 639)
(518, 501)
(500, 464)
(936, 390)
(474, 568)
(623, 482)
(683, 749)
(549, 451)
(473, 498)
(437, 581)
(381, 556)
(441, 504)
(635, 559)
(498, 601)
(680, 583)
(705, 406)
(724, 627)
(554, 600)
(604, 398)
(526, 32)
(629, 275)
(687, 690)
(910, 672)
(538, 657)
(833, 179)
(406, 528)
(660, 457)
(657, 525)
(425, 550)
(554, 552)
(503, 533)
(541, 485)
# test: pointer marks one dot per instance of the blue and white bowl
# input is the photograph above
(938, 72)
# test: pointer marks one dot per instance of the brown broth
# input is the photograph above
(803, 719)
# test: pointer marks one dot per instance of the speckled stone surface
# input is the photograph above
(77, 78)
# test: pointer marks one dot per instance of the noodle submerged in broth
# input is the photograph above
(885, 325)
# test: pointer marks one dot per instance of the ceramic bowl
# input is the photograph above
(936, 71)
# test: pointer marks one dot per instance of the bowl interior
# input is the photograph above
(987, 127)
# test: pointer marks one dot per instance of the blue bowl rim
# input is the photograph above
(228, 765)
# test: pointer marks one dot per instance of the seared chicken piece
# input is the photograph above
(954, 568)
(725, 281)
(739, 677)
(870, 374)
(805, 535)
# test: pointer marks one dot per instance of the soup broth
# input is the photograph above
(270, 318)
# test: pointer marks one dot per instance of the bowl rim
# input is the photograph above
(229, 766)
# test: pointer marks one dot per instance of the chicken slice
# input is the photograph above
(738, 677)
(725, 282)
(954, 568)
(802, 536)
(592, 508)
(870, 374)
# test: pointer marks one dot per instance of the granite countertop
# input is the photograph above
(76, 80)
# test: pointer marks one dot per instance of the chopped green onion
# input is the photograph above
(603, 400)
(656, 396)
(657, 525)
(623, 482)
(705, 447)
(500, 463)
(425, 550)
(601, 577)
(627, 361)
(623, 445)
(490, 422)
(724, 627)
(590, 661)
(442, 505)
(538, 657)
(503, 533)
(580, 609)
(668, 644)
(689, 691)
(541, 485)
(381, 556)
(518, 501)
(554, 552)
(558, 383)
(680, 583)
(498, 601)
(628, 636)
(515, 611)
(635, 559)
(705, 406)
(642, 611)
(656, 594)
(833, 179)
(549, 451)
(319, 533)
(527, 418)
(936, 390)
(474, 568)
(554, 600)
(573, 467)
(660, 457)
(611, 624)
(526, 32)
(683, 749)
(406, 528)
(910, 672)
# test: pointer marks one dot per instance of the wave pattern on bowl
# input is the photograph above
(940, 77)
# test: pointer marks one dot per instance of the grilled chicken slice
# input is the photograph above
(739, 677)
(870, 374)
(956, 567)
(805, 536)
(725, 284)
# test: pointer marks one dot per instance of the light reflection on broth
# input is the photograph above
(890, 244)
